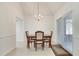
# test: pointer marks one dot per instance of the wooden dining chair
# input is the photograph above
(27, 36)
(30, 39)
(39, 39)
(47, 38)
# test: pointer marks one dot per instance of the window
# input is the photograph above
(69, 26)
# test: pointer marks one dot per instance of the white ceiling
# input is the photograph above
(45, 8)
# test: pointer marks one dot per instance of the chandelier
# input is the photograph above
(38, 16)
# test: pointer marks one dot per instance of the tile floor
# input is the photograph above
(22, 50)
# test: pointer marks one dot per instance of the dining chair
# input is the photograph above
(47, 38)
(30, 39)
(39, 39)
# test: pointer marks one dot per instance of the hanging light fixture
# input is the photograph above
(38, 16)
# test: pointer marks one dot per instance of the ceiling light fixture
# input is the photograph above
(38, 16)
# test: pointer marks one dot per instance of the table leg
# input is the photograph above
(28, 44)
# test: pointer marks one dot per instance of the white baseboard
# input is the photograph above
(5, 53)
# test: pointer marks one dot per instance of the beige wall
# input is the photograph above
(8, 14)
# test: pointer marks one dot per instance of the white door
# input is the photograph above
(19, 30)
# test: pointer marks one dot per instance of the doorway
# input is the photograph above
(20, 36)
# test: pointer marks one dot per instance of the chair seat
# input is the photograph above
(46, 40)
(31, 41)
(39, 42)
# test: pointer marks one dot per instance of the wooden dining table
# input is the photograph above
(32, 37)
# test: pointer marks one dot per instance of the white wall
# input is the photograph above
(8, 13)
(75, 22)
(46, 24)
(63, 10)
(75, 17)
(60, 13)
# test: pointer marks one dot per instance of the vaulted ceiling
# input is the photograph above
(45, 8)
